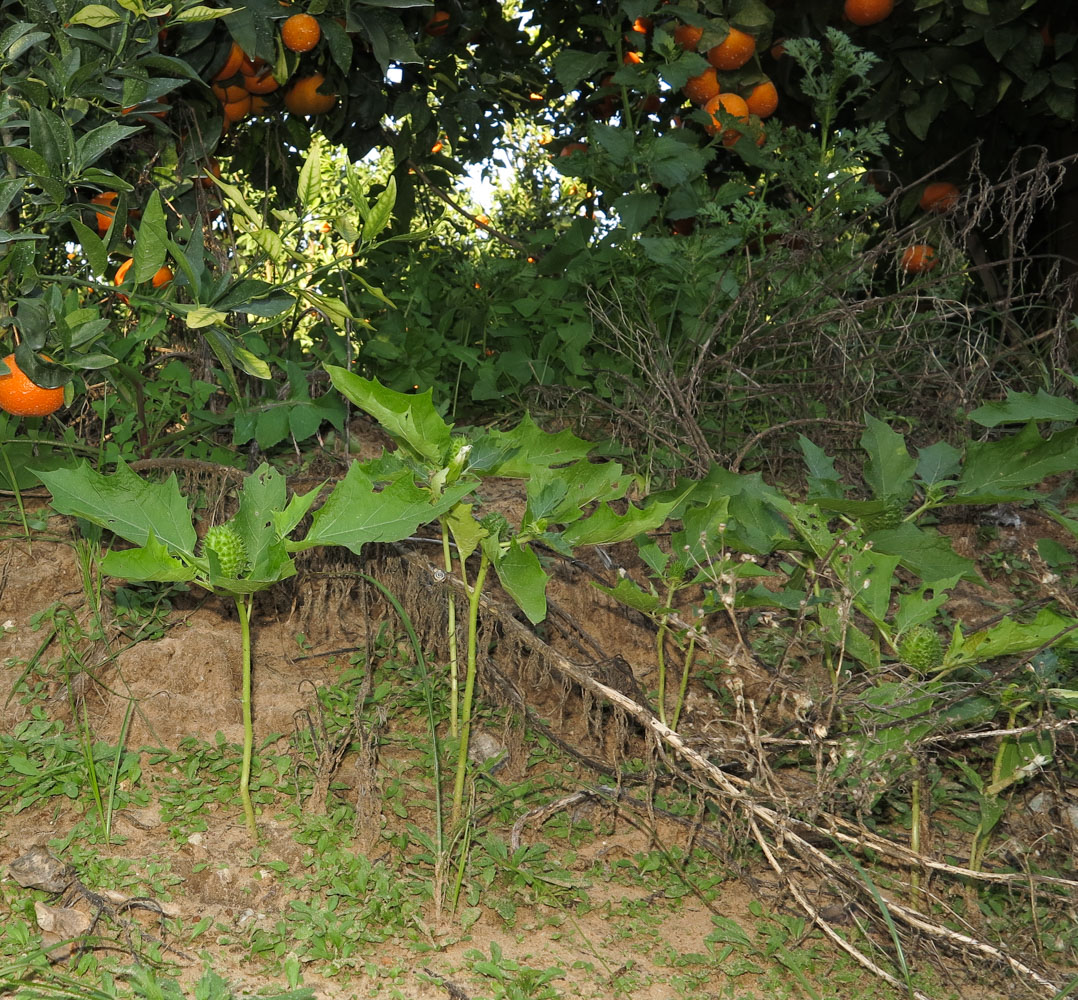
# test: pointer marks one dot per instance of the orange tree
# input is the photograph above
(116, 117)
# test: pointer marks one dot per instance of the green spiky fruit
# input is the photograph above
(224, 541)
(894, 510)
(921, 649)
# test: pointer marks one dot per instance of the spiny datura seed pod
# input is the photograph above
(921, 649)
(224, 541)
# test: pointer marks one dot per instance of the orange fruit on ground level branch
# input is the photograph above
(732, 105)
(107, 200)
(438, 23)
(866, 12)
(919, 258)
(939, 197)
(303, 97)
(22, 398)
(763, 100)
(736, 49)
(300, 33)
(701, 89)
(688, 36)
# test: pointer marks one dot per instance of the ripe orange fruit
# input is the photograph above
(235, 111)
(763, 100)
(211, 167)
(732, 105)
(300, 33)
(701, 89)
(573, 147)
(232, 63)
(632, 58)
(866, 12)
(261, 81)
(438, 23)
(642, 26)
(229, 95)
(22, 398)
(939, 197)
(107, 200)
(303, 98)
(919, 258)
(688, 36)
(161, 277)
(736, 49)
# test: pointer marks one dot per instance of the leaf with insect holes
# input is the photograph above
(410, 420)
(871, 576)
(124, 503)
(890, 467)
(922, 605)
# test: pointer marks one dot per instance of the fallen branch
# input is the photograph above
(783, 828)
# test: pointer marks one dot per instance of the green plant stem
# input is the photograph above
(114, 779)
(451, 619)
(243, 609)
(15, 489)
(915, 829)
(474, 592)
(660, 654)
(690, 653)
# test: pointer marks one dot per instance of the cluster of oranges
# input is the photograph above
(759, 100)
(938, 198)
(242, 84)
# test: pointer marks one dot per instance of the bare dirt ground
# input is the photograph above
(621, 930)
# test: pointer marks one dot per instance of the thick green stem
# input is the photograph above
(660, 653)
(915, 829)
(15, 489)
(447, 555)
(474, 593)
(243, 608)
(684, 686)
